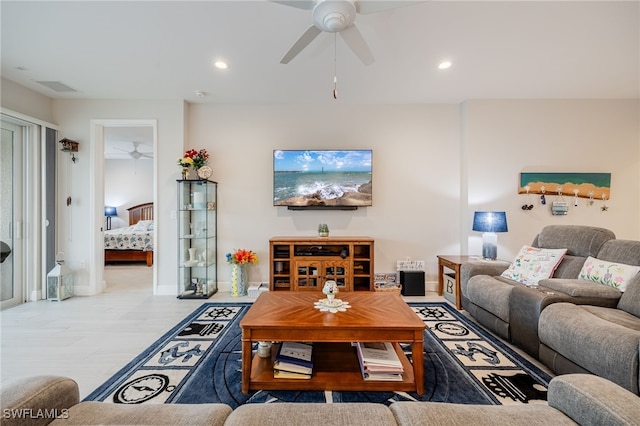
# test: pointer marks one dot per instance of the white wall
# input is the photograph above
(505, 138)
(415, 176)
(127, 183)
(434, 165)
(74, 118)
(25, 101)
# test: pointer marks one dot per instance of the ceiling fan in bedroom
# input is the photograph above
(135, 153)
(338, 17)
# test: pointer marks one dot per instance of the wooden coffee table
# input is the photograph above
(291, 316)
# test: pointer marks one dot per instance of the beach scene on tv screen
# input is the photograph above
(322, 178)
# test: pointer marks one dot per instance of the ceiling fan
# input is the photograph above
(338, 16)
(135, 154)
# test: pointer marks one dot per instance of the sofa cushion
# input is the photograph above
(305, 414)
(438, 413)
(613, 274)
(581, 288)
(592, 400)
(103, 413)
(491, 294)
(630, 300)
(623, 251)
(603, 341)
(579, 240)
(615, 316)
(569, 267)
(533, 264)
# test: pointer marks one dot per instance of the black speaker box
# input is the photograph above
(412, 283)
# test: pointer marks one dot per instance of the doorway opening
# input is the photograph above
(125, 205)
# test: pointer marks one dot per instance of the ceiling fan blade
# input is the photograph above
(354, 40)
(306, 5)
(146, 155)
(302, 42)
(120, 149)
(367, 7)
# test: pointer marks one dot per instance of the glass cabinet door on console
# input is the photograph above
(307, 275)
(312, 274)
(197, 236)
(336, 270)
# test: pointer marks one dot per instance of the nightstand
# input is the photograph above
(454, 263)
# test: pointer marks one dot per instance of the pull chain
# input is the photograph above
(335, 76)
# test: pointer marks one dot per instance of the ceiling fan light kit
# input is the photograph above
(338, 17)
(334, 16)
(331, 16)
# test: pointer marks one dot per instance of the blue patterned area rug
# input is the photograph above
(199, 360)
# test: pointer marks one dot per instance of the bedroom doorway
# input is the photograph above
(126, 151)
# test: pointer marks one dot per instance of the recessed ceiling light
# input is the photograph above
(444, 65)
(221, 65)
(200, 94)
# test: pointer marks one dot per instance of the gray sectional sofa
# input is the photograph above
(595, 339)
(511, 310)
(572, 325)
(572, 399)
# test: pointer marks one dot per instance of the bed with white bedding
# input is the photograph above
(133, 243)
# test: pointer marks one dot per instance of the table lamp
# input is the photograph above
(110, 212)
(489, 223)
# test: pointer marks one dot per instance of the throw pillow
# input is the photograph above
(616, 275)
(533, 264)
(142, 225)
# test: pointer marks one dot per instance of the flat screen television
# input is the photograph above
(322, 178)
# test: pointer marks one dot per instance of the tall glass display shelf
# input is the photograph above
(197, 239)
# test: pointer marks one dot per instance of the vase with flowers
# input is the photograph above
(239, 261)
(192, 159)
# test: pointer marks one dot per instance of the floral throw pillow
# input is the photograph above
(616, 275)
(533, 264)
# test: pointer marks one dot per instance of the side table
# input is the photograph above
(455, 262)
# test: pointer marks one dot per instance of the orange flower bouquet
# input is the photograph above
(242, 257)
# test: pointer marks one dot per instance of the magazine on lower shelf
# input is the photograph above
(293, 361)
(378, 353)
(389, 369)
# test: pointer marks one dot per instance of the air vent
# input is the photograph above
(57, 86)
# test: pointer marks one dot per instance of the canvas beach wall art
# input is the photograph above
(329, 178)
(584, 185)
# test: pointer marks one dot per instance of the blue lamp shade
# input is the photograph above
(110, 212)
(489, 223)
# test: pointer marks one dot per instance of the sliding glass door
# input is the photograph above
(27, 209)
(11, 289)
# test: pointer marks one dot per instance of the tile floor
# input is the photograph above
(90, 338)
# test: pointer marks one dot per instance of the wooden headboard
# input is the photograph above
(140, 212)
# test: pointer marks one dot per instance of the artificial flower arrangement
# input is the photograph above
(193, 158)
(242, 257)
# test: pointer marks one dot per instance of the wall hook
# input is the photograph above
(527, 205)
